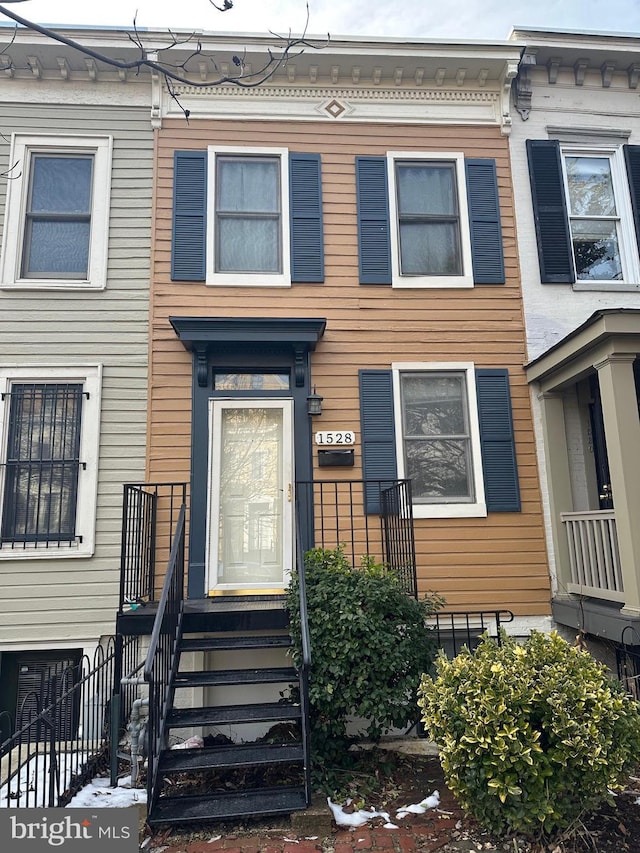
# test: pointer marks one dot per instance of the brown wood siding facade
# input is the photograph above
(495, 562)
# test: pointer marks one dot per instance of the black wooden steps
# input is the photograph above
(222, 806)
(222, 677)
(230, 714)
(230, 642)
(237, 755)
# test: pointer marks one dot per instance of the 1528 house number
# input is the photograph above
(336, 437)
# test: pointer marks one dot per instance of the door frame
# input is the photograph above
(238, 342)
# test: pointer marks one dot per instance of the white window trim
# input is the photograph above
(627, 243)
(248, 279)
(430, 281)
(22, 147)
(91, 377)
(478, 508)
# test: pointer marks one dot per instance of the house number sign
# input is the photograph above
(340, 437)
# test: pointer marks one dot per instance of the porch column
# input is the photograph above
(558, 481)
(622, 433)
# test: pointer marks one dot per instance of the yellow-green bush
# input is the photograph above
(531, 736)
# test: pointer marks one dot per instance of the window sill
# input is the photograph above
(475, 510)
(430, 282)
(606, 286)
(55, 552)
(52, 284)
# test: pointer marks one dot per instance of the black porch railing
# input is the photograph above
(162, 659)
(455, 629)
(335, 512)
(60, 735)
(149, 514)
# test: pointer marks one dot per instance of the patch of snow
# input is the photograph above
(636, 802)
(430, 802)
(98, 794)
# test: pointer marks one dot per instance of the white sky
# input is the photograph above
(454, 19)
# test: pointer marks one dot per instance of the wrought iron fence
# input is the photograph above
(149, 514)
(455, 629)
(161, 664)
(336, 514)
(628, 661)
(60, 734)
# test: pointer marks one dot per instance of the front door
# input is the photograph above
(250, 504)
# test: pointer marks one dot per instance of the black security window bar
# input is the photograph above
(42, 464)
(58, 217)
(429, 222)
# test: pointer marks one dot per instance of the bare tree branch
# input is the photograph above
(178, 72)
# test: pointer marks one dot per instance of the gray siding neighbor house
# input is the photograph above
(76, 155)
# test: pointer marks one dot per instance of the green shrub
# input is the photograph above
(369, 646)
(531, 736)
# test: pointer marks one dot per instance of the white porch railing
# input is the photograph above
(593, 554)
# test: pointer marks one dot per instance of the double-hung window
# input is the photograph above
(428, 205)
(248, 242)
(585, 203)
(49, 424)
(448, 428)
(437, 437)
(594, 216)
(57, 213)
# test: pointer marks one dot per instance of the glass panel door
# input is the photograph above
(250, 520)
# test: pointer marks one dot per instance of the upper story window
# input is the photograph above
(49, 420)
(428, 220)
(58, 217)
(583, 202)
(594, 219)
(56, 223)
(248, 242)
(248, 221)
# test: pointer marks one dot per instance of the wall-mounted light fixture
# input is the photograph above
(314, 403)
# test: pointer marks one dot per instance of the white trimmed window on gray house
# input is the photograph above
(57, 213)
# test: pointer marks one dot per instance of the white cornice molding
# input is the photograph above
(332, 104)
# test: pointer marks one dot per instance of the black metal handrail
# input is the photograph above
(396, 509)
(149, 512)
(338, 514)
(60, 734)
(162, 659)
(305, 665)
(457, 628)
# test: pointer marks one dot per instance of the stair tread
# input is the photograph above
(232, 641)
(223, 806)
(235, 676)
(236, 755)
(258, 712)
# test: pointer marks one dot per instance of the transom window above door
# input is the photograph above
(248, 240)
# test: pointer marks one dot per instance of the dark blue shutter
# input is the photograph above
(188, 250)
(550, 212)
(378, 433)
(502, 492)
(484, 221)
(632, 157)
(305, 193)
(374, 231)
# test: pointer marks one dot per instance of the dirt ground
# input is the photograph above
(388, 784)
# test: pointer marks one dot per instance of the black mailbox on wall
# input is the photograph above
(343, 457)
